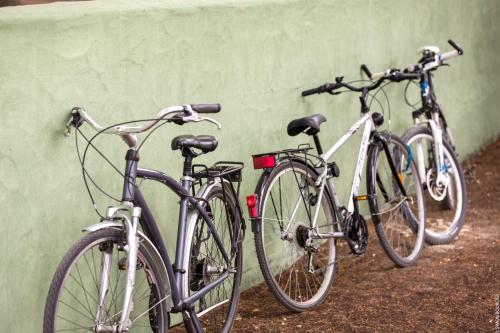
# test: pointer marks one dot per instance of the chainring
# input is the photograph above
(357, 234)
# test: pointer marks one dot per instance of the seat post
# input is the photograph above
(318, 144)
(188, 162)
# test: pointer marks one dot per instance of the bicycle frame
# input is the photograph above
(134, 211)
(366, 119)
(369, 136)
(323, 180)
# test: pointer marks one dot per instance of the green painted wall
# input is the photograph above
(126, 59)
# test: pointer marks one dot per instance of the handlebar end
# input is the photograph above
(456, 46)
(309, 92)
(365, 70)
(206, 108)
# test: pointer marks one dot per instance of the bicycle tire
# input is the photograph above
(264, 189)
(77, 251)
(401, 211)
(211, 321)
(458, 200)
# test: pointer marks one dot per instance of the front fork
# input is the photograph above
(440, 165)
(130, 222)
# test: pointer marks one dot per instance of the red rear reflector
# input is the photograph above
(252, 206)
(262, 162)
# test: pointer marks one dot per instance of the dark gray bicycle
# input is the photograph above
(119, 277)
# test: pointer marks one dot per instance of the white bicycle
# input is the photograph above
(432, 145)
(297, 216)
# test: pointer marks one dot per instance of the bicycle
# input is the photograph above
(438, 164)
(119, 277)
(297, 216)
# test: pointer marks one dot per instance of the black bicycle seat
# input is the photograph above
(311, 124)
(206, 143)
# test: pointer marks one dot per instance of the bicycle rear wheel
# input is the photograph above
(399, 220)
(445, 206)
(72, 300)
(218, 308)
(297, 269)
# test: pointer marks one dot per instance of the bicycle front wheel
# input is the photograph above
(97, 259)
(399, 220)
(445, 205)
(298, 269)
(217, 309)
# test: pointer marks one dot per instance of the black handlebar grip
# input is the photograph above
(310, 92)
(456, 46)
(327, 87)
(365, 70)
(410, 76)
(401, 76)
(206, 108)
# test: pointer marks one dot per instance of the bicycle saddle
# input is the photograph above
(308, 124)
(206, 143)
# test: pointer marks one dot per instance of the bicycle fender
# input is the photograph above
(192, 217)
(256, 223)
(148, 246)
(381, 138)
(260, 186)
(258, 190)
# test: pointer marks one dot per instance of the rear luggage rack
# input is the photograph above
(302, 148)
(224, 170)
(230, 171)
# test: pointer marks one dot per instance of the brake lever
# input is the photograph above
(213, 121)
(67, 131)
(334, 92)
(193, 116)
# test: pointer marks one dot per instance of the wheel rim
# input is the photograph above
(441, 222)
(76, 308)
(286, 259)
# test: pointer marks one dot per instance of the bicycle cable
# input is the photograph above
(381, 88)
(82, 159)
(406, 95)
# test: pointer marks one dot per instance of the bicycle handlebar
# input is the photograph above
(327, 87)
(393, 75)
(422, 66)
(182, 114)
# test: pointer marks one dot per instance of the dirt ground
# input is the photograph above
(452, 288)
